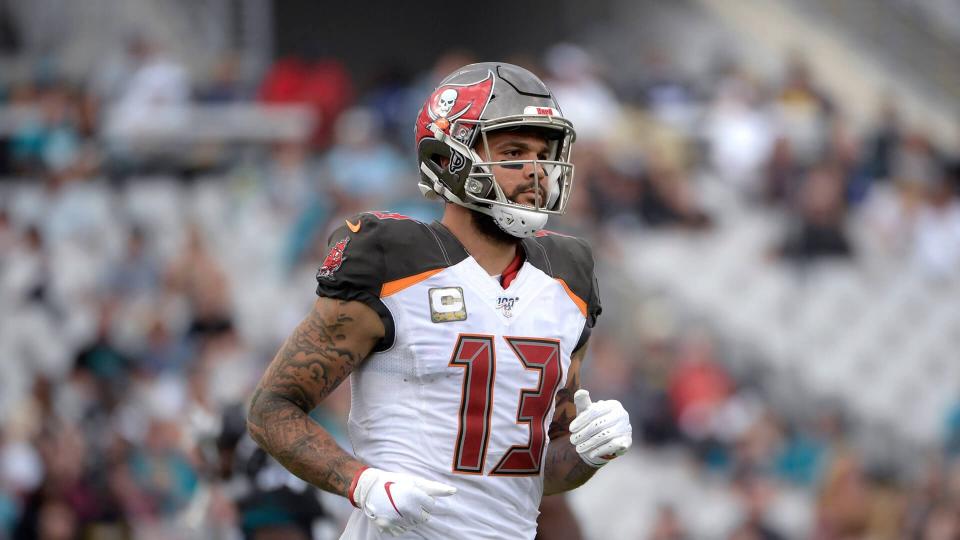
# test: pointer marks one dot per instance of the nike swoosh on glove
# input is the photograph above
(396, 502)
(601, 431)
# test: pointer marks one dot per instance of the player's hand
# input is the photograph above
(396, 502)
(601, 431)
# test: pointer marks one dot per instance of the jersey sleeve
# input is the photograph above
(594, 308)
(354, 269)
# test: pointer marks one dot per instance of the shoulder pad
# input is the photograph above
(372, 250)
(570, 260)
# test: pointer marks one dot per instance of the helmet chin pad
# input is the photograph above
(517, 221)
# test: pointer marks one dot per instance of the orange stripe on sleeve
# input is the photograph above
(576, 299)
(397, 285)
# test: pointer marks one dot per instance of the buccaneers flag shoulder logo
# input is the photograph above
(333, 261)
(452, 102)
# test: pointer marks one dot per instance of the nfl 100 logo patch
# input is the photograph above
(505, 304)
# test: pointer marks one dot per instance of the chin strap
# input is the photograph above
(517, 221)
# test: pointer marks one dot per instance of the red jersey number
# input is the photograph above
(477, 356)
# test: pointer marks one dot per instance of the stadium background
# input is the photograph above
(770, 188)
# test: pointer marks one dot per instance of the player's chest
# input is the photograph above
(464, 299)
(462, 318)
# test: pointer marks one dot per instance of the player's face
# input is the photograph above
(519, 182)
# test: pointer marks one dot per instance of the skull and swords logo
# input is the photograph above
(441, 113)
(458, 103)
(446, 101)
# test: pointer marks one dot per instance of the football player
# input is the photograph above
(464, 337)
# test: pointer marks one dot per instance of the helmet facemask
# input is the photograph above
(470, 181)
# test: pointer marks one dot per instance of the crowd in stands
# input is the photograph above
(142, 296)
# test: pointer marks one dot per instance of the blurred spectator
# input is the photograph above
(649, 401)
(936, 235)
(104, 361)
(392, 98)
(806, 447)
(290, 178)
(198, 276)
(843, 150)
(756, 494)
(891, 213)
(943, 522)
(273, 503)
(585, 99)
(803, 111)
(616, 190)
(324, 85)
(34, 340)
(952, 425)
(669, 199)
(915, 161)
(66, 498)
(667, 525)
(881, 143)
(157, 84)
(699, 386)
(363, 170)
(137, 273)
(819, 229)
(164, 351)
(49, 138)
(782, 174)
(163, 478)
(8, 240)
(843, 505)
(26, 272)
(739, 132)
(666, 92)
(225, 84)
(9, 34)
(953, 171)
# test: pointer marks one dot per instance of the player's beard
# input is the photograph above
(487, 227)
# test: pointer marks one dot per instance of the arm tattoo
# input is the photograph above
(565, 411)
(564, 470)
(323, 350)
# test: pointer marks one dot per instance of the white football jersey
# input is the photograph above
(462, 388)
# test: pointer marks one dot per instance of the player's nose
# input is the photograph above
(535, 171)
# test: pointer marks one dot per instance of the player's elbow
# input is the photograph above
(257, 434)
(256, 413)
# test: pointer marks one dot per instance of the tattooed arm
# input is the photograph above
(564, 470)
(327, 345)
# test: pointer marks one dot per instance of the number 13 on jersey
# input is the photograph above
(476, 354)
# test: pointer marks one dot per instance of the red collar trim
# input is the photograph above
(510, 272)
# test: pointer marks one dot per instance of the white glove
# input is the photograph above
(601, 431)
(396, 502)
